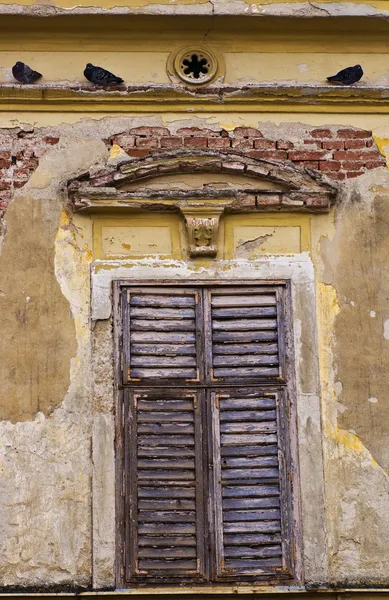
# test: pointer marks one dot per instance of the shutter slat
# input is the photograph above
(164, 361)
(245, 372)
(168, 373)
(167, 564)
(245, 336)
(162, 301)
(246, 403)
(245, 312)
(248, 551)
(251, 491)
(248, 508)
(162, 313)
(162, 325)
(164, 349)
(243, 324)
(248, 300)
(165, 517)
(239, 503)
(153, 337)
(173, 552)
(246, 359)
(244, 565)
(244, 415)
(166, 541)
(262, 450)
(245, 349)
(165, 492)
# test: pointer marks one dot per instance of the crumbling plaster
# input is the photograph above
(46, 467)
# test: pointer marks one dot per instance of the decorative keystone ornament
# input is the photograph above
(202, 225)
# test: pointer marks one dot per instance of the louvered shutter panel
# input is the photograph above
(251, 500)
(165, 486)
(161, 335)
(243, 335)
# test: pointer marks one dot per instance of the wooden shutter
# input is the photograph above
(165, 486)
(243, 335)
(250, 497)
(161, 334)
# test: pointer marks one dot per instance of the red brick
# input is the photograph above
(224, 133)
(313, 164)
(281, 145)
(19, 184)
(5, 185)
(22, 173)
(317, 143)
(5, 155)
(354, 174)
(339, 176)
(351, 155)
(171, 142)
(221, 142)
(369, 143)
(197, 132)
(195, 142)
(247, 132)
(5, 163)
(374, 164)
(138, 152)
(333, 145)
(269, 154)
(322, 133)
(330, 165)
(264, 144)
(243, 145)
(353, 133)
(123, 140)
(354, 144)
(306, 155)
(268, 200)
(146, 142)
(150, 131)
(32, 163)
(348, 165)
(51, 140)
(317, 202)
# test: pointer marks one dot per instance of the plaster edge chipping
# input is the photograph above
(211, 8)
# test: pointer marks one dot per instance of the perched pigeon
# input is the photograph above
(100, 76)
(347, 76)
(24, 74)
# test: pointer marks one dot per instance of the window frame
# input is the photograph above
(286, 387)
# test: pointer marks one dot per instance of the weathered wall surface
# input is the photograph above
(57, 364)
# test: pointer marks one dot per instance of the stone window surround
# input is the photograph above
(298, 269)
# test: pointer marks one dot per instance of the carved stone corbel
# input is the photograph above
(203, 226)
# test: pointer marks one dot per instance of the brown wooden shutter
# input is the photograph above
(250, 498)
(243, 341)
(161, 333)
(165, 486)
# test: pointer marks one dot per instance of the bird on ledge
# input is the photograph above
(24, 74)
(347, 76)
(100, 76)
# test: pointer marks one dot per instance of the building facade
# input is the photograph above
(194, 300)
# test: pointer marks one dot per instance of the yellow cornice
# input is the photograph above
(174, 98)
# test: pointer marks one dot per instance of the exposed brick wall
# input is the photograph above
(20, 152)
(339, 153)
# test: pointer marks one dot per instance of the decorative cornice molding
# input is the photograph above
(146, 98)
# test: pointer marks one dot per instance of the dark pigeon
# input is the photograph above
(24, 74)
(100, 76)
(347, 76)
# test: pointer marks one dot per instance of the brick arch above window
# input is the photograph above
(294, 188)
